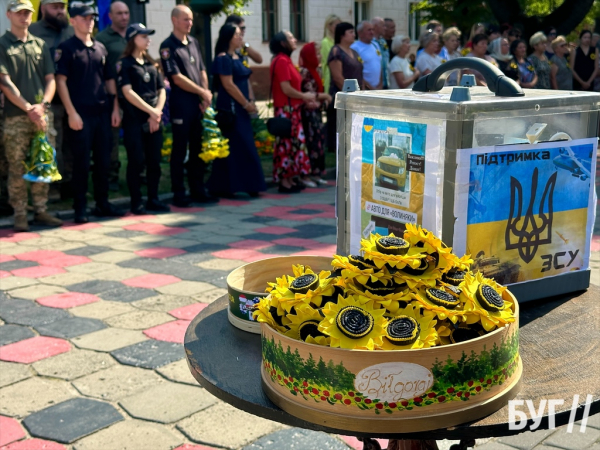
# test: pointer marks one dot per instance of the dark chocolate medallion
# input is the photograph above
(377, 287)
(416, 271)
(454, 277)
(441, 298)
(361, 263)
(403, 330)
(304, 283)
(309, 328)
(392, 245)
(489, 298)
(354, 322)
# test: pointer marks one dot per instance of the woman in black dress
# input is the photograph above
(144, 98)
(584, 61)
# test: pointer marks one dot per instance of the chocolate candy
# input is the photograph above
(304, 283)
(441, 298)
(354, 322)
(390, 245)
(489, 298)
(403, 330)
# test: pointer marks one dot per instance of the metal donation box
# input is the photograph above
(502, 174)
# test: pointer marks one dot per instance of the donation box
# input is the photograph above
(503, 174)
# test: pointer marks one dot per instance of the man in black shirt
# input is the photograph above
(87, 89)
(182, 64)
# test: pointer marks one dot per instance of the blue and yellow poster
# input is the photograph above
(526, 212)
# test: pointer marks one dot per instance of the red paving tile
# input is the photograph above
(4, 258)
(11, 236)
(34, 444)
(596, 244)
(160, 252)
(257, 256)
(186, 210)
(151, 281)
(298, 242)
(70, 226)
(33, 349)
(169, 332)
(195, 447)
(234, 253)
(141, 217)
(358, 445)
(39, 255)
(315, 190)
(66, 261)
(326, 250)
(37, 272)
(155, 228)
(67, 300)
(274, 211)
(251, 244)
(275, 230)
(228, 202)
(188, 312)
(5, 274)
(10, 430)
(274, 196)
(319, 207)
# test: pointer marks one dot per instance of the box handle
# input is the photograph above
(496, 81)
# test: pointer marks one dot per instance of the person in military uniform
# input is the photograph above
(4, 205)
(144, 95)
(114, 40)
(27, 81)
(87, 88)
(182, 64)
(53, 28)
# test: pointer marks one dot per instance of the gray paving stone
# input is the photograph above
(592, 421)
(88, 250)
(315, 230)
(95, 286)
(192, 258)
(267, 237)
(126, 234)
(73, 364)
(327, 239)
(493, 445)
(167, 403)
(70, 327)
(149, 354)
(281, 250)
(11, 373)
(206, 247)
(127, 294)
(574, 440)
(17, 264)
(71, 420)
(297, 439)
(260, 219)
(14, 333)
(25, 312)
(526, 440)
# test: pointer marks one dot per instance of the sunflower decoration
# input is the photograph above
(391, 302)
(443, 329)
(304, 287)
(410, 328)
(424, 275)
(424, 241)
(304, 326)
(389, 250)
(352, 324)
(444, 304)
(483, 302)
(360, 269)
(265, 312)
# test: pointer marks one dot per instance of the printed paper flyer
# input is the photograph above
(526, 211)
(388, 161)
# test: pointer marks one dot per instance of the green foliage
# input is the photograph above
(234, 7)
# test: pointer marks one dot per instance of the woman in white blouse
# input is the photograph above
(429, 60)
(402, 74)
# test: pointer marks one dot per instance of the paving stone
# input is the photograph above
(91, 268)
(281, 249)
(150, 281)
(493, 445)
(169, 332)
(34, 444)
(33, 349)
(11, 430)
(592, 421)
(277, 231)
(226, 265)
(168, 402)
(164, 303)
(179, 243)
(95, 286)
(210, 296)
(573, 440)
(17, 264)
(70, 327)
(194, 447)
(149, 354)
(186, 288)
(327, 239)
(188, 312)
(127, 234)
(11, 373)
(527, 440)
(159, 252)
(37, 272)
(139, 435)
(87, 250)
(109, 339)
(298, 439)
(101, 310)
(113, 256)
(34, 394)
(126, 294)
(38, 291)
(179, 372)
(24, 312)
(315, 230)
(66, 279)
(266, 236)
(74, 364)
(38, 255)
(234, 428)
(71, 420)
(117, 382)
(120, 274)
(138, 320)
(67, 300)
(17, 282)
(14, 333)
(259, 219)
(147, 264)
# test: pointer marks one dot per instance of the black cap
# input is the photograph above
(82, 9)
(137, 28)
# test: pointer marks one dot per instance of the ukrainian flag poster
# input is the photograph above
(526, 212)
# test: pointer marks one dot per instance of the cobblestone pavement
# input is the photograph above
(93, 318)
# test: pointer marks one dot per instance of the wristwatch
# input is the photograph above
(246, 45)
(46, 104)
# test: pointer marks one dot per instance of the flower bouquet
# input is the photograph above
(41, 167)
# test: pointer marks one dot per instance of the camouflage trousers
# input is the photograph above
(18, 133)
(3, 162)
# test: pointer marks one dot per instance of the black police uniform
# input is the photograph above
(186, 116)
(86, 71)
(141, 145)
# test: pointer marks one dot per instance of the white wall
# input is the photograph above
(158, 17)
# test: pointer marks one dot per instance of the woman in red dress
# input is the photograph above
(291, 163)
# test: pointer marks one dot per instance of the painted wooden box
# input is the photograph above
(397, 391)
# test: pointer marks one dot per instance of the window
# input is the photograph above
(361, 12)
(269, 19)
(297, 15)
(414, 23)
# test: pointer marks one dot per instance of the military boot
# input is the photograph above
(46, 219)
(21, 223)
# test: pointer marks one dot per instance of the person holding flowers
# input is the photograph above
(527, 76)
(242, 170)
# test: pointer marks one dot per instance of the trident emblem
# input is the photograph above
(534, 230)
